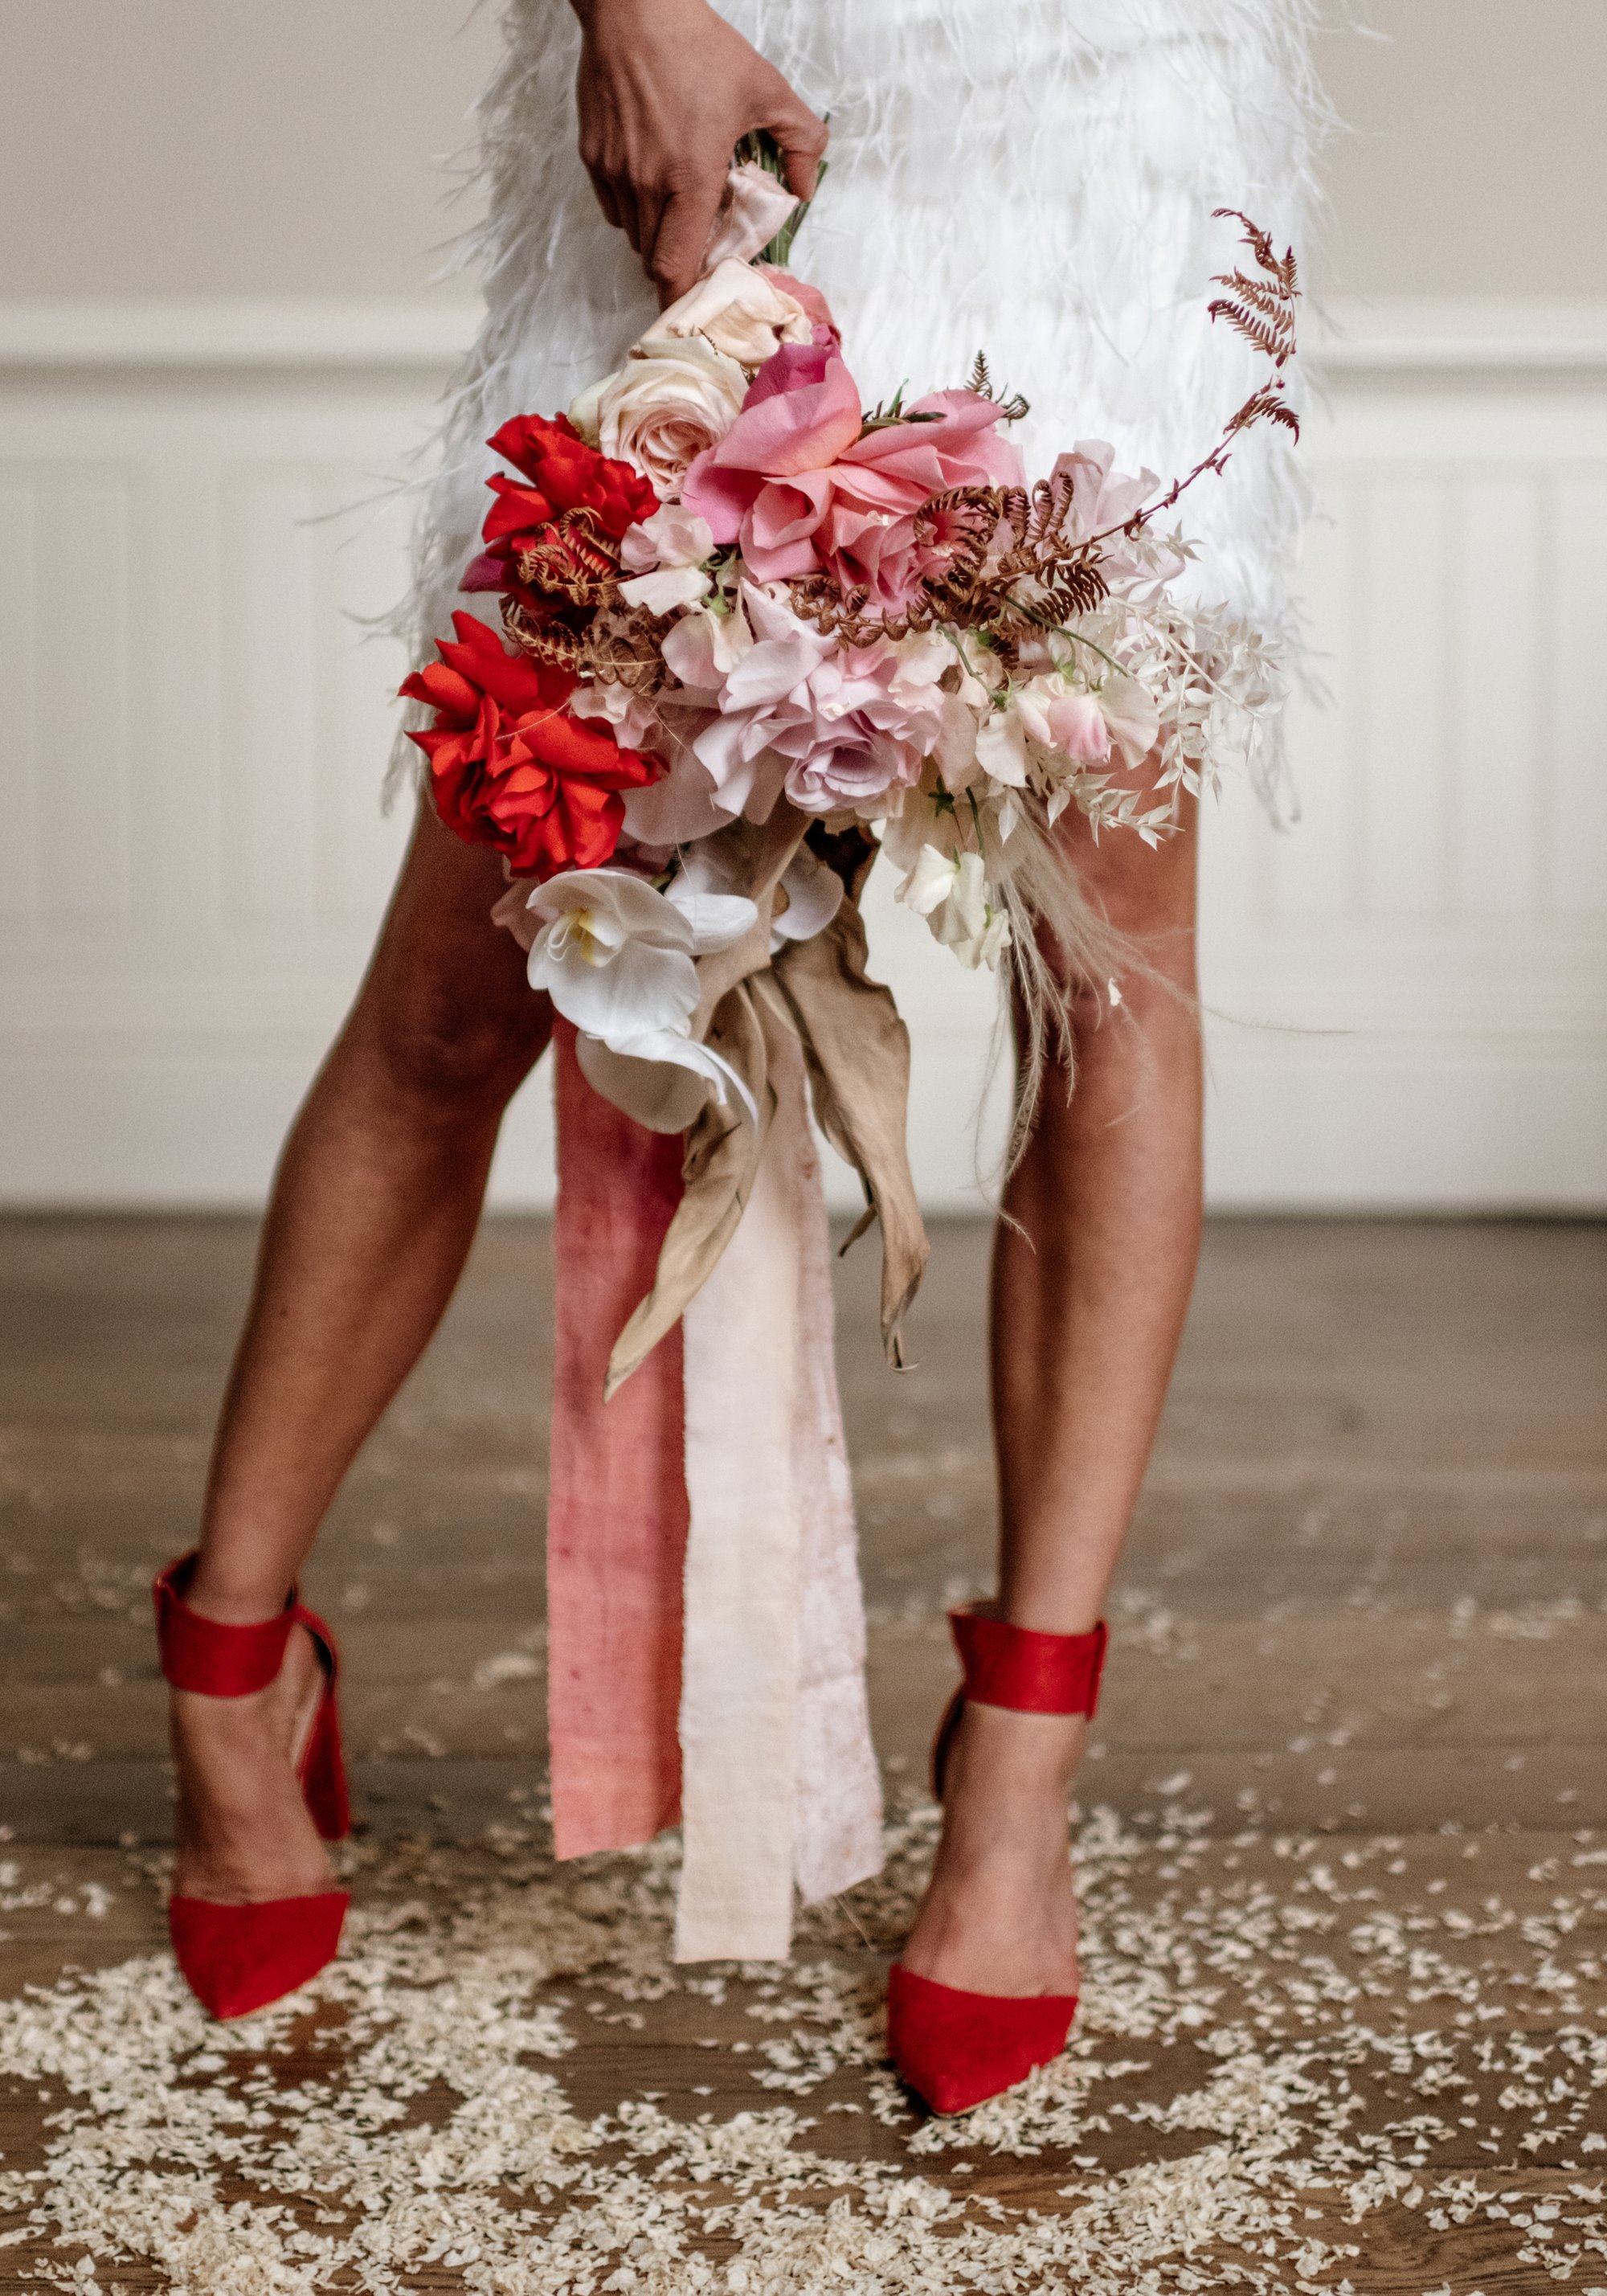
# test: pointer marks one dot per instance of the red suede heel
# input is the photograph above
(236, 1959)
(957, 2049)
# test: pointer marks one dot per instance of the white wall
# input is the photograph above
(1407, 991)
(216, 329)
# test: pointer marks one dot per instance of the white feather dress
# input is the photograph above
(1031, 178)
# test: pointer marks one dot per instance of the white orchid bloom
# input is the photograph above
(616, 957)
(612, 952)
(660, 1079)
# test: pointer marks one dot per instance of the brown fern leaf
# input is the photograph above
(1264, 406)
(962, 523)
(1272, 302)
(572, 558)
(1081, 589)
(1271, 340)
(1283, 268)
(1013, 409)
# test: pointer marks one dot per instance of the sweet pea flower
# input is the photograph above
(1102, 500)
(1102, 496)
(616, 957)
(950, 891)
(1002, 750)
(1130, 711)
(666, 553)
(1059, 717)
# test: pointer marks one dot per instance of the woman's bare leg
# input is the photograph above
(373, 1209)
(1089, 1293)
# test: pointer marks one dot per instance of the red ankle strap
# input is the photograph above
(204, 1654)
(1031, 1672)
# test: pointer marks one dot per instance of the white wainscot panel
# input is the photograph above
(1405, 990)
(196, 857)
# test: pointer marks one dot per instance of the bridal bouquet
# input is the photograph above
(755, 634)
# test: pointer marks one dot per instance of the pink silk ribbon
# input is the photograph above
(706, 1625)
(780, 1787)
(617, 1511)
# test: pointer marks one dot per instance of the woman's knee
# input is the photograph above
(447, 1008)
(444, 1046)
(1141, 889)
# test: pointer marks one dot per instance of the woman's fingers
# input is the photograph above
(612, 211)
(803, 138)
(686, 227)
(665, 90)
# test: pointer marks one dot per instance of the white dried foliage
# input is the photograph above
(1275, 2052)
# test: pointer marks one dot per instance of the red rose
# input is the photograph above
(574, 506)
(512, 767)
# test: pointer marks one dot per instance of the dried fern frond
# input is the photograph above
(1260, 309)
(1081, 589)
(1271, 337)
(615, 650)
(1013, 409)
(573, 558)
(1267, 405)
(1281, 268)
(1273, 301)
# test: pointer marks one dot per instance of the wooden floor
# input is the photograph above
(1361, 1629)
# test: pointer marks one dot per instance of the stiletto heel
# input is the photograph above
(236, 1959)
(321, 1770)
(957, 2049)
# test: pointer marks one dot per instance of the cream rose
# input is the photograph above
(739, 311)
(672, 398)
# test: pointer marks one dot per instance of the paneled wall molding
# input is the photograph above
(1389, 336)
(1406, 995)
(250, 335)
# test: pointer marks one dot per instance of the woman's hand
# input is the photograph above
(667, 89)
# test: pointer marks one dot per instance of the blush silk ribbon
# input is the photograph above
(706, 1629)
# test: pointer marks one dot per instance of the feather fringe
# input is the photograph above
(1033, 178)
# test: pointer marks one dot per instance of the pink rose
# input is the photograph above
(804, 489)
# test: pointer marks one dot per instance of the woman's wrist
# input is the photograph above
(592, 12)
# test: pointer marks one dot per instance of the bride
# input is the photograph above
(1033, 176)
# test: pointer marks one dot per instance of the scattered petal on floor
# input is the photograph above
(1302, 2063)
